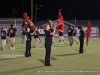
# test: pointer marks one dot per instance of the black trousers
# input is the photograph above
(28, 48)
(81, 44)
(48, 52)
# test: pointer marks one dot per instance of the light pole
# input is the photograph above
(32, 10)
(36, 8)
(15, 11)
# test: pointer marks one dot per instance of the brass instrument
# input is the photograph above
(25, 23)
(50, 23)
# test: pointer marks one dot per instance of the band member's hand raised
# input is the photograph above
(35, 29)
(54, 27)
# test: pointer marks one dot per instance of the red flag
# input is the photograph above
(60, 22)
(60, 17)
(88, 33)
(30, 23)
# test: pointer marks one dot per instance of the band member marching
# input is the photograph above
(3, 37)
(36, 37)
(29, 34)
(74, 34)
(12, 34)
(48, 43)
(81, 39)
(70, 35)
(30, 30)
(51, 28)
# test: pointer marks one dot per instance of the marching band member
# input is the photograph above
(74, 34)
(29, 33)
(12, 34)
(70, 35)
(48, 43)
(36, 37)
(51, 29)
(81, 38)
(3, 37)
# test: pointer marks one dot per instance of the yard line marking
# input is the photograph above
(11, 56)
(53, 48)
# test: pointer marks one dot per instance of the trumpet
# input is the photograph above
(50, 23)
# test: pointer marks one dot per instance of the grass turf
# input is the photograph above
(65, 60)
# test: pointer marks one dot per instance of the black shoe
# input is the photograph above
(48, 65)
(26, 55)
(30, 55)
(70, 44)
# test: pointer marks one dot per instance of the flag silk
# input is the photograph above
(60, 25)
(30, 23)
(88, 34)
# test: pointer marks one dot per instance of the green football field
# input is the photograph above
(65, 60)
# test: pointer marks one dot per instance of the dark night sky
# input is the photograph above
(81, 9)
